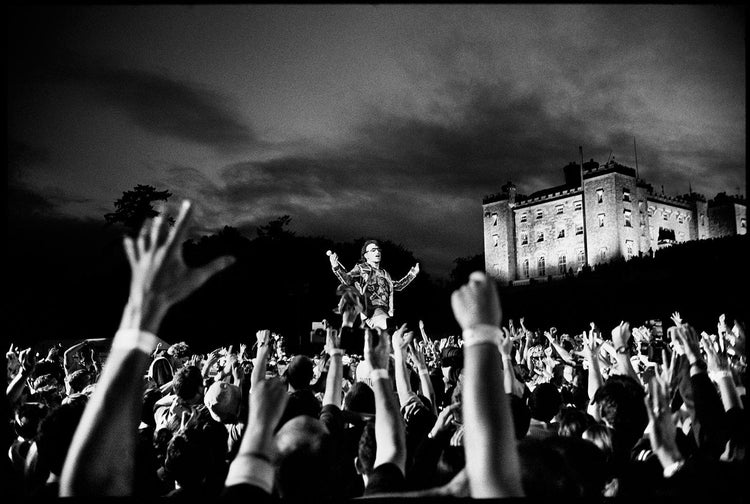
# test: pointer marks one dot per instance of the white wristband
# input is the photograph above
(379, 374)
(424, 371)
(481, 334)
(336, 351)
(135, 339)
(251, 470)
(724, 373)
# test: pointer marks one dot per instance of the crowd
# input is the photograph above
(501, 410)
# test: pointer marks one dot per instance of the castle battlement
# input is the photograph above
(556, 231)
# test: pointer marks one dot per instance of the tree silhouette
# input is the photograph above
(136, 206)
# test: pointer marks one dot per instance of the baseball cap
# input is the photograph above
(223, 401)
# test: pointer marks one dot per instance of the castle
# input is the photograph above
(545, 235)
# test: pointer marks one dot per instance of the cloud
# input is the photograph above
(167, 106)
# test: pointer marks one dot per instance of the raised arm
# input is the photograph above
(510, 383)
(390, 432)
(564, 354)
(425, 383)
(403, 384)
(591, 353)
(101, 458)
(492, 462)
(14, 391)
(411, 275)
(332, 394)
(721, 374)
(261, 359)
(338, 269)
(253, 464)
(620, 337)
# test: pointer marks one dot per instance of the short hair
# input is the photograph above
(544, 402)
(180, 350)
(78, 380)
(186, 456)
(56, 432)
(299, 372)
(306, 466)
(187, 382)
(367, 448)
(360, 399)
(571, 421)
(621, 401)
(364, 247)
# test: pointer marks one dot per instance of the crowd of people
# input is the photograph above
(501, 410)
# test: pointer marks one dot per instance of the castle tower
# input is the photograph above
(499, 234)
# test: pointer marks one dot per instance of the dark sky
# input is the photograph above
(387, 121)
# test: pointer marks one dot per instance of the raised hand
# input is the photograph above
(398, 339)
(689, 341)
(334, 258)
(621, 335)
(668, 367)
(417, 355)
(506, 343)
(377, 356)
(716, 361)
(333, 340)
(264, 337)
(676, 318)
(662, 432)
(445, 419)
(160, 277)
(476, 303)
(414, 269)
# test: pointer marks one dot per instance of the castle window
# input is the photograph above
(629, 248)
(640, 206)
(600, 195)
(541, 271)
(680, 219)
(664, 215)
(643, 229)
(625, 194)
(523, 217)
(628, 219)
(703, 220)
(743, 224)
(525, 268)
(496, 240)
(579, 229)
(539, 214)
(601, 219)
(603, 254)
(561, 264)
(581, 258)
(561, 233)
(496, 267)
(494, 219)
(577, 205)
(540, 237)
(559, 209)
(524, 238)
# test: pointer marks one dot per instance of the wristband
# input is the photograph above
(336, 351)
(135, 339)
(724, 373)
(424, 372)
(253, 469)
(379, 374)
(481, 334)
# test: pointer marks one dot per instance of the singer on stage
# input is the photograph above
(373, 282)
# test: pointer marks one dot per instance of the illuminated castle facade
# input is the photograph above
(615, 214)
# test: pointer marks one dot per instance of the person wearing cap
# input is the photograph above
(223, 402)
(373, 282)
